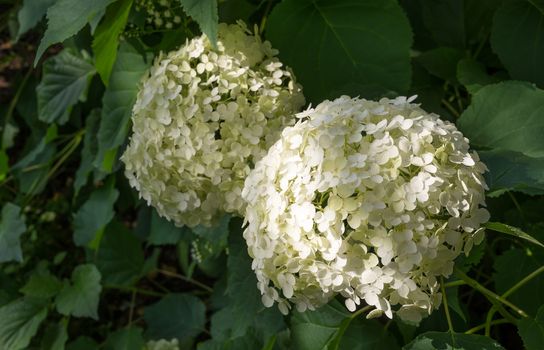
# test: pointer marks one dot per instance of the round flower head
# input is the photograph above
(203, 116)
(369, 200)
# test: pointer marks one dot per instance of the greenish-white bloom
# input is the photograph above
(369, 200)
(203, 116)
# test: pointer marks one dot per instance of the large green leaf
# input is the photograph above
(513, 171)
(120, 257)
(204, 12)
(518, 38)
(354, 47)
(508, 116)
(67, 17)
(64, 82)
(19, 322)
(514, 265)
(12, 226)
(163, 231)
(125, 339)
(319, 329)
(80, 297)
(244, 309)
(93, 216)
(531, 330)
(117, 104)
(452, 341)
(30, 14)
(180, 316)
(106, 37)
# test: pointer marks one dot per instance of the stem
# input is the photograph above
(523, 281)
(450, 108)
(516, 204)
(455, 284)
(131, 310)
(134, 290)
(14, 101)
(491, 296)
(446, 307)
(480, 327)
(186, 279)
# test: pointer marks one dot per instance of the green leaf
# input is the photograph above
(94, 214)
(88, 151)
(204, 12)
(513, 231)
(180, 316)
(19, 322)
(513, 171)
(106, 37)
(508, 116)
(473, 76)
(117, 104)
(67, 17)
(531, 330)
(42, 284)
(55, 336)
(318, 329)
(30, 14)
(243, 299)
(514, 265)
(367, 335)
(517, 39)
(12, 226)
(353, 47)
(445, 20)
(65, 80)
(125, 339)
(231, 11)
(163, 231)
(116, 268)
(452, 341)
(83, 343)
(442, 62)
(80, 297)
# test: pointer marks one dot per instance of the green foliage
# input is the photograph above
(204, 12)
(64, 83)
(117, 104)
(180, 316)
(19, 322)
(67, 17)
(125, 339)
(93, 216)
(12, 226)
(517, 32)
(76, 242)
(531, 330)
(358, 47)
(80, 296)
(106, 37)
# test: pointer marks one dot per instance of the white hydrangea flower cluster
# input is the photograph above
(369, 200)
(203, 116)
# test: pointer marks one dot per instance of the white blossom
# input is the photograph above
(202, 117)
(369, 200)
